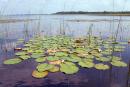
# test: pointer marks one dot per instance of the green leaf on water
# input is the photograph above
(20, 53)
(61, 54)
(52, 58)
(71, 59)
(44, 67)
(118, 50)
(90, 56)
(36, 55)
(88, 60)
(68, 68)
(39, 51)
(54, 69)
(24, 57)
(101, 66)
(103, 59)
(39, 75)
(97, 55)
(86, 64)
(41, 59)
(114, 58)
(119, 63)
(13, 61)
(106, 52)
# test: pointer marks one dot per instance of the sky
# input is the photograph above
(52, 6)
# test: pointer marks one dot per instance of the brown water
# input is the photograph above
(71, 25)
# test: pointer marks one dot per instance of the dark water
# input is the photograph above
(71, 25)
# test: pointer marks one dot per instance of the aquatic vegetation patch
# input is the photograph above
(65, 54)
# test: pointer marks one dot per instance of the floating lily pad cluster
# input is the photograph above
(64, 54)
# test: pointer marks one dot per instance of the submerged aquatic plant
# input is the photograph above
(65, 54)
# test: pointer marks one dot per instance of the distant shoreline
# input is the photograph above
(94, 13)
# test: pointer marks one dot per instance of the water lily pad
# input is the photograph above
(115, 58)
(80, 50)
(39, 75)
(51, 50)
(30, 51)
(89, 56)
(97, 55)
(41, 59)
(119, 47)
(54, 69)
(76, 58)
(118, 50)
(101, 66)
(115, 42)
(88, 60)
(52, 58)
(44, 67)
(119, 63)
(64, 50)
(82, 54)
(20, 53)
(64, 58)
(33, 47)
(57, 62)
(24, 57)
(86, 64)
(12, 61)
(71, 59)
(36, 55)
(61, 54)
(106, 52)
(123, 43)
(39, 51)
(68, 68)
(103, 59)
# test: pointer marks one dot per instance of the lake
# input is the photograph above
(71, 25)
